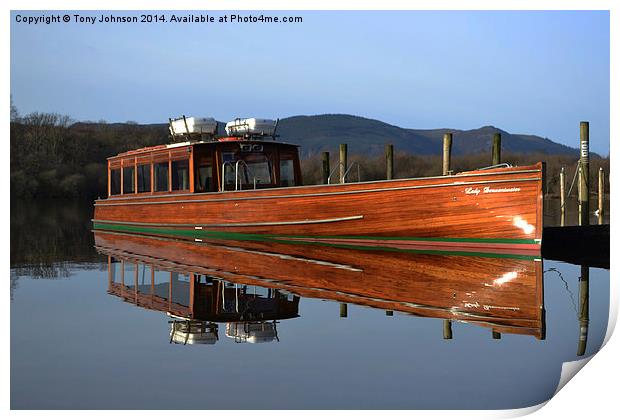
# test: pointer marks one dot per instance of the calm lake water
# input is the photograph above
(156, 325)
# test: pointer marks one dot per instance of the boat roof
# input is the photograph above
(149, 149)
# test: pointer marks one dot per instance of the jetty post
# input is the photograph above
(447, 152)
(343, 162)
(343, 310)
(562, 197)
(325, 160)
(496, 149)
(584, 174)
(389, 161)
(584, 309)
(601, 195)
(447, 329)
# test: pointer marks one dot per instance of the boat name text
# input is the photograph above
(489, 190)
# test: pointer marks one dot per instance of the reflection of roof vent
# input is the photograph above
(193, 332)
(242, 127)
(252, 332)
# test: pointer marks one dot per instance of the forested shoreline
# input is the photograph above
(54, 157)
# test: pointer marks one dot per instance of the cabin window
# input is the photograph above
(257, 166)
(144, 178)
(115, 181)
(204, 178)
(161, 176)
(180, 175)
(128, 180)
(287, 172)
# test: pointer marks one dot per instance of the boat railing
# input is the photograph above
(346, 172)
(235, 168)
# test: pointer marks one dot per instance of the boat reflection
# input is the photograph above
(251, 286)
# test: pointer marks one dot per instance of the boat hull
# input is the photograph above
(493, 210)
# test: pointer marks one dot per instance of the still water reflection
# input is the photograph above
(135, 322)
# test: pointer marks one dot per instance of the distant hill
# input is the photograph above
(366, 136)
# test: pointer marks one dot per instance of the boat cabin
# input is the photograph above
(224, 164)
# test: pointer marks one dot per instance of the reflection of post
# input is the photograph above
(135, 283)
(192, 291)
(601, 194)
(343, 310)
(447, 329)
(584, 303)
(496, 335)
(110, 272)
(122, 272)
(562, 198)
(389, 313)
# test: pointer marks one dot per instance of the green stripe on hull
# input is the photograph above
(298, 240)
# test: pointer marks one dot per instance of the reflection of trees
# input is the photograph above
(48, 238)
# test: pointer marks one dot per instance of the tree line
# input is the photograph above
(53, 156)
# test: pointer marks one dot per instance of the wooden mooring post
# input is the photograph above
(343, 310)
(447, 152)
(389, 161)
(343, 162)
(447, 329)
(562, 197)
(496, 152)
(325, 161)
(601, 195)
(584, 174)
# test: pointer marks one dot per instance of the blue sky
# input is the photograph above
(538, 72)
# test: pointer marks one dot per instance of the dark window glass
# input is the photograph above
(287, 173)
(128, 180)
(180, 175)
(161, 176)
(258, 166)
(144, 178)
(115, 181)
(204, 180)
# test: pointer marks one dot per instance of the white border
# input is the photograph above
(593, 392)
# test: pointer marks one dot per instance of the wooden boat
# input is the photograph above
(503, 294)
(251, 188)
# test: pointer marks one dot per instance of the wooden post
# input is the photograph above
(601, 195)
(562, 197)
(447, 151)
(447, 327)
(343, 310)
(496, 149)
(325, 159)
(389, 161)
(343, 162)
(584, 304)
(584, 164)
(497, 335)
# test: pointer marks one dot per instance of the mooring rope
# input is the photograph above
(570, 294)
(571, 185)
